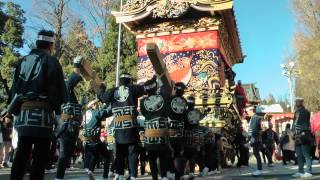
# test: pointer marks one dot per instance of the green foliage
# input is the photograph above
(308, 80)
(77, 43)
(105, 65)
(107, 57)
(307, 54)
(11, 31)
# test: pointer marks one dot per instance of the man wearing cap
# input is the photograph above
(124, 102)
(156, 137)
(37, 93)
(177, 113)
(302, 131)
(254, 133)
(91, 133)
(70, 121)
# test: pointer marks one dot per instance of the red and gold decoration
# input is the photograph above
(198, 40)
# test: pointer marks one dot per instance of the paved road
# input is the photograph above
(243, 173)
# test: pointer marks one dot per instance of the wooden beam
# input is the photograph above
(159, 66)
(89, 75)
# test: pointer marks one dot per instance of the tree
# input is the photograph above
(106, 61)
(270, 100)
(307, 54)
(98, 15)
(78, 43)
(11, 31)
(285, 104)
(55, 14)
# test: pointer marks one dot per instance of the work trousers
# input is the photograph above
(217, 158)
(112, 164)
(86, 157)
(39, 153)
(142, 159)
(256, 152)
(67, 143)
(243, 156)
(176, 160)
(194, 157)
(97, 150)
(4, 151)
(209, 153)
(287, 156)
(303, 153)
(163, 155)
(269, 152)
(130, 152)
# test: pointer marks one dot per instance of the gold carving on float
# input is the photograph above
(226, 43)
(178, 25)
(173, 8)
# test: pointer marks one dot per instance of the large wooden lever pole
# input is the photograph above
(158, 65)
(89, 75)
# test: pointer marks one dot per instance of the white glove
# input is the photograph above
(77, 61)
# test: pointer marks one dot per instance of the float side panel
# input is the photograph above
(192, 58)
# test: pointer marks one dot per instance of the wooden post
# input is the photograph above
(159, 66)
(89, 75)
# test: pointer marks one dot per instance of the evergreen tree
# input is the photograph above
(11, 31)
(78, 43)
(107, 56)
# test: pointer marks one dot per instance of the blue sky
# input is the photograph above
(266, 28)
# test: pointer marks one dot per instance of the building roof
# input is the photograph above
(273, 108)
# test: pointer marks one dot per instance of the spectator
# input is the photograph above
(1, 137)
(302, 139)
(287, 146)
(241, 98)
(269, 138)
(263, 149)
(241, 141)
(6, 129)
(255, 138)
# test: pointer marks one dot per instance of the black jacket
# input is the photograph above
(93, 119)
(124, 102)
(177, 113)
(38, 75)
(302, 119)
(269, 137)
(154, 109)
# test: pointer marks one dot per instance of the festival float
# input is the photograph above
(199, 43)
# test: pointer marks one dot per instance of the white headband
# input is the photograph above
(125, 76)
(190, 101)
(45, 38)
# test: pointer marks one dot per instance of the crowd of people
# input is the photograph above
(126, 126)
(48, 118)
(295, 145)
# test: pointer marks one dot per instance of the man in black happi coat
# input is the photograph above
(38, 91)
(156, 137)
(124, 102)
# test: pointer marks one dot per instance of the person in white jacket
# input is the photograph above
(288, 146)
